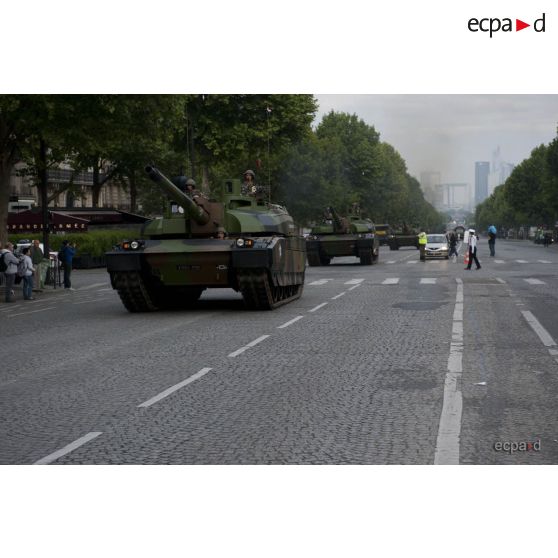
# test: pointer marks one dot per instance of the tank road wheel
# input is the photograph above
(366, 257)
(259, 293)
(133, 292)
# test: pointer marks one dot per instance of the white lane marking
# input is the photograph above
(339, 295)
(109, 289)
(67, 449)
(500, 280)
(354, 282)
(534, 282)
(355, 287)
(287, 324)
(544, 336)
(391, 262)
(412, 262)
(449, 430)
(246, 347)
(31, 312)
(499, 261)
(8, 307)
(390, 281)
(176, 387)
(553, 352)
(428, 281)
(90, 300)
(521, 261)
(318, 307)
(320, 282)
(543, 261)
(92, 286)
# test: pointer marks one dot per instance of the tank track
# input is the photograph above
(260, 294)
(133, 292)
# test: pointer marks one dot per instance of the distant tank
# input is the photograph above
(343, 236)
(181, 255)
(403, 236)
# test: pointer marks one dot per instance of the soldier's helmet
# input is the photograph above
(251, 172)
(191, 182)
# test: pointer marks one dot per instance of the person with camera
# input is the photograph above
(66, 257)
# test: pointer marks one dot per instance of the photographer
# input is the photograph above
(66, 257)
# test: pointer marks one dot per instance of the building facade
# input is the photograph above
(482, 171)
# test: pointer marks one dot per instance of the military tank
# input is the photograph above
(403, 236)
(343, 236)
(179, 256)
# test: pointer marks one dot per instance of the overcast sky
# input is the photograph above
(448, 133)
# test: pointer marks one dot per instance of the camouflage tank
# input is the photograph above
(179, 256)
(403, 236)
(343, 236)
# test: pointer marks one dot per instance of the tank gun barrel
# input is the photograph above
(191, 208)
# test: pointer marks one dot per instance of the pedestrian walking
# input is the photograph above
(422, 245)
(66, 257)
(26, 271)
(472, 243)
(9, 264)
(492, 240)
(452, 239)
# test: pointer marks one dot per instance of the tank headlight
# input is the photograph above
(240, 242)
(134, 245)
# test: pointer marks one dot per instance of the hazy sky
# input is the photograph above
(448, 133)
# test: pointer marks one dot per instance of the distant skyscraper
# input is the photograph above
(499, 171)
(482, 170)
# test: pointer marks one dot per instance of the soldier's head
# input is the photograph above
(190, 184)
(221, 233)
(249, 176)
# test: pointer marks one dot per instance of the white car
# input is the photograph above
(437, 246)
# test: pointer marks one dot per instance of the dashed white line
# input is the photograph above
(246, 347)
(536, 326)
(412, 262)
(534, 281)
(390, 281)
(92, 286)
(319, 282)
(67, 449)
(499, 261)
(428, 281)
(391, 262)
(176, 387)
(354, 281)
(287, 324)
(318, 307)
(354, 287)
(543, 261)
(339, 295)
(500, 280)
(521, 261)
(31, 312)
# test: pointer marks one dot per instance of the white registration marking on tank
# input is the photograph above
(287, 324)
(428, 281)
(172, 389)
(354, 282)
(534, 281)
(320, 282)
(67, 449)
(339, 295)
(318, 307)
(544, 336)
(246, 347)
(390, 281)
(499, 261)
(449, 429)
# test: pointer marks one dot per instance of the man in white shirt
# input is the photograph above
(473, 249)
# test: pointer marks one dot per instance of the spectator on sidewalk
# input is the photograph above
(66, 256)
(40, 264)
(27, 273)
(11, 263)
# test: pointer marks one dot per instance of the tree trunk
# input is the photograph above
(133, 192)
(6, 166)
(43, 190)
(96, 187)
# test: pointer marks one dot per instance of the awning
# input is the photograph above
(29, 221)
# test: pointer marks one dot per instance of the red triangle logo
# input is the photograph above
(519, 25)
